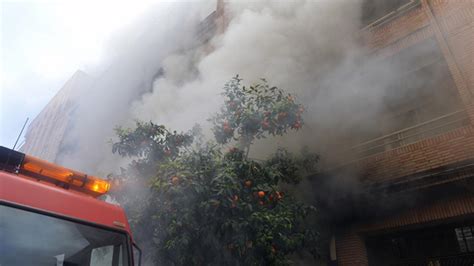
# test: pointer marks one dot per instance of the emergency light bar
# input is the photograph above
(20, 163)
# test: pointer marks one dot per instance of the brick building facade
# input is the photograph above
(416, 205)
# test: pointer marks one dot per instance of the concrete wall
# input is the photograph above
(46, 132)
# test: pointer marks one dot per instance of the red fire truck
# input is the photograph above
(50, 215)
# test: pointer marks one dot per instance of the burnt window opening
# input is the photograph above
(372, 10)
(446, 245)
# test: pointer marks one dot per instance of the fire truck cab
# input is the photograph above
(50, 215)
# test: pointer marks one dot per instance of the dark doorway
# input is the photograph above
(447, 245)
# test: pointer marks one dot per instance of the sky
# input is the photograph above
(42, 44)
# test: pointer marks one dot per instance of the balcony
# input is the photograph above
(206, 28)
(411, 134)
(454, 260)
(442, 245)
(377, 13)
(420, 122)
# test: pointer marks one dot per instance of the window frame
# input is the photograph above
(388, 15)
(129, 242)
(139, 259)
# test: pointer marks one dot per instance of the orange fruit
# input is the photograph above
(261, 194)
(282, 116)
(296, 125)
(175, 180)
(249, 244)
(279, 195)
(226, 127)
(273, 249)
(248, 183)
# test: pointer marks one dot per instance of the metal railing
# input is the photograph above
(466, 259)
(393, 14)
(411, 134)
(206, 28)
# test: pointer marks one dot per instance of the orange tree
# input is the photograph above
(210, 204)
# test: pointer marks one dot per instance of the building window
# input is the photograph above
(446, 245)
(465, 238)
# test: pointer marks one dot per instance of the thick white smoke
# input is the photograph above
(160, 73)
(312, 48)
(134, 58)
(302, 46)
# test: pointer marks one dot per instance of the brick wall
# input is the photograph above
(350, 246)
(350, 250)
(411, 39)
(454, 146)
(440, 210)
(451, 23)
(456, 21)
(383, 35)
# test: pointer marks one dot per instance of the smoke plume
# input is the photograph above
(302, 46)
(159, 71)
(311, 48)
(134, 59)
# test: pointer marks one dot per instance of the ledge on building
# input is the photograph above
(393, 15)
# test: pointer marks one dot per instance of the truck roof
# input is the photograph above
(26, 192)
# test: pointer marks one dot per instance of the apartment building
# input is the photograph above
(46, 133)
(413, 203)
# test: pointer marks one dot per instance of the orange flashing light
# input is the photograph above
(92, 185)
(99, 186)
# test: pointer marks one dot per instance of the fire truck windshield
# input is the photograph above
(31, 238)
